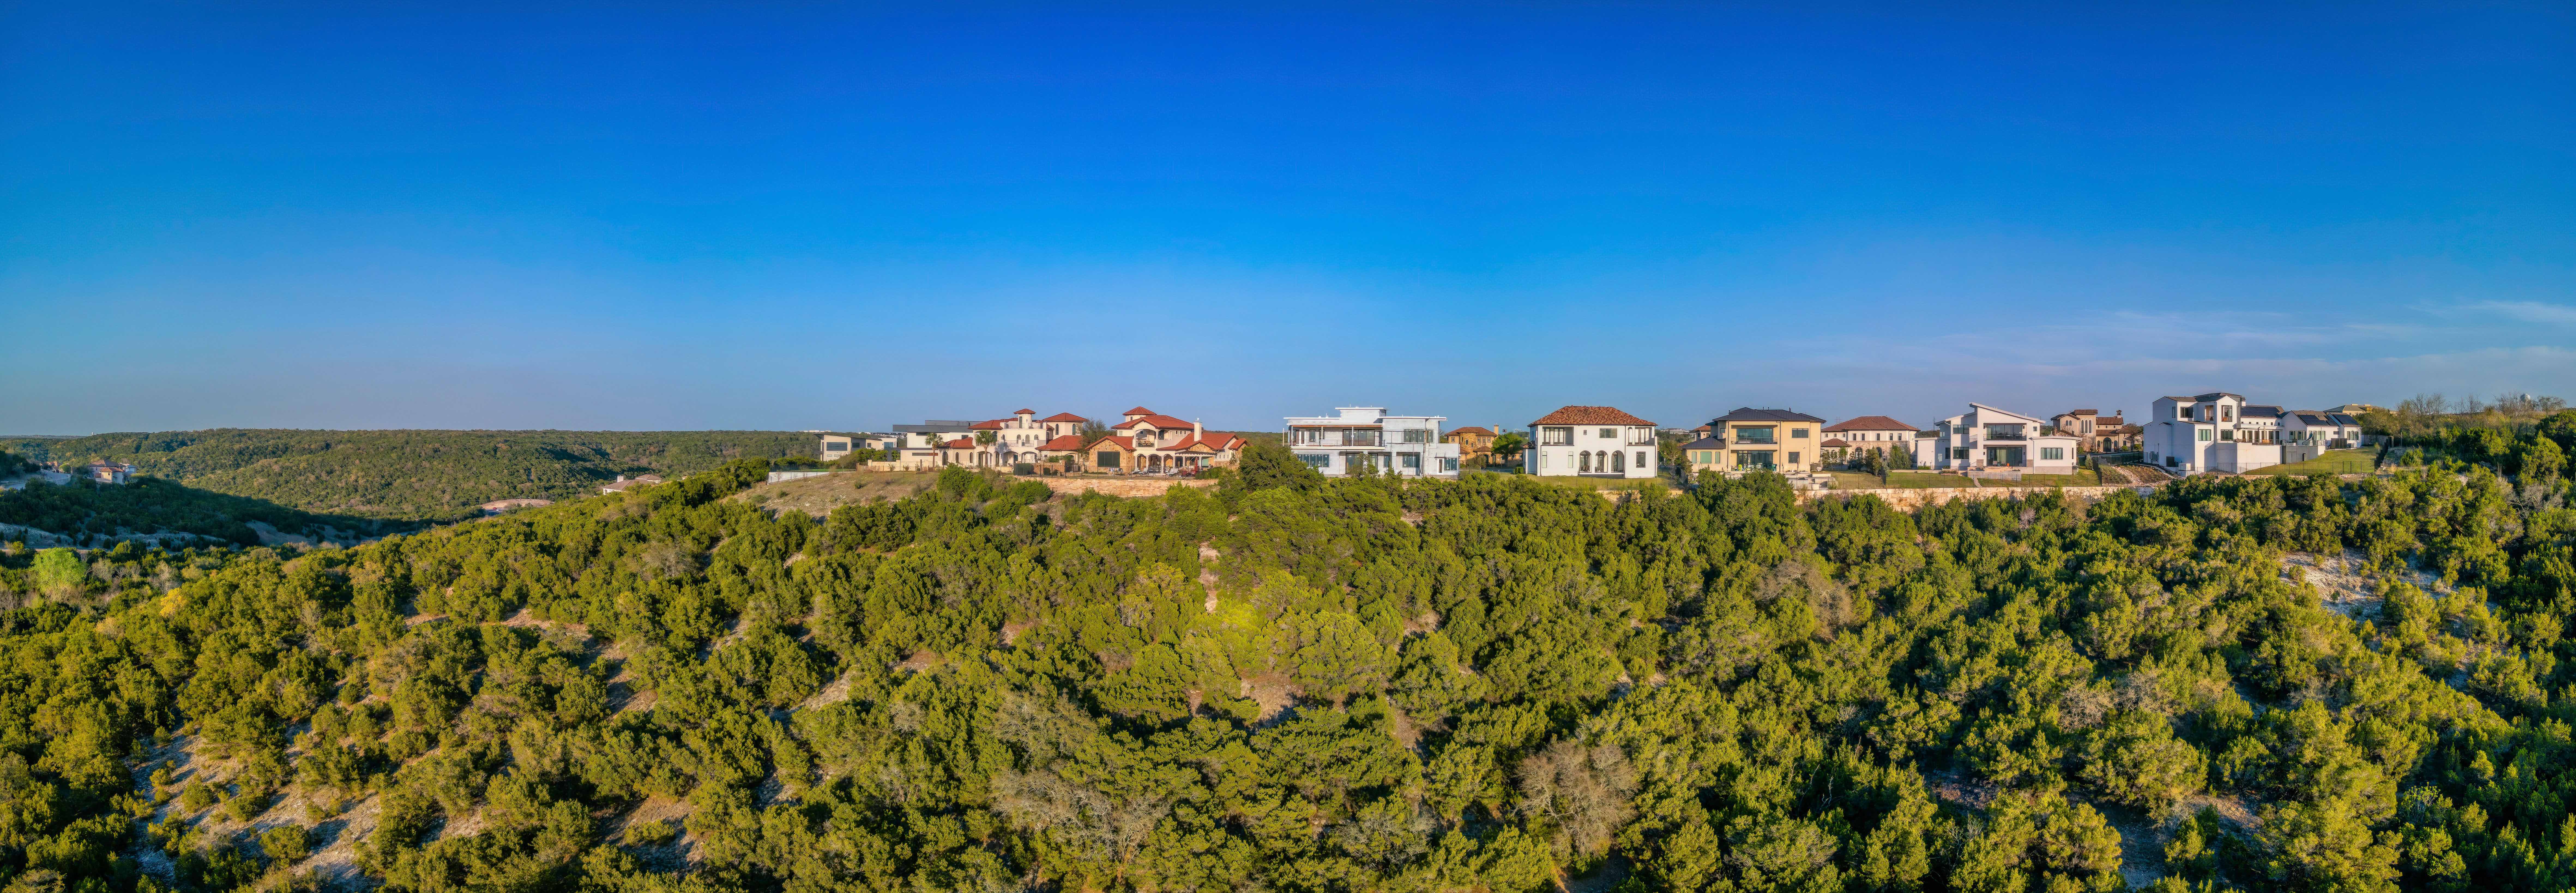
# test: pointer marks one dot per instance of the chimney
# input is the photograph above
(1195, 431)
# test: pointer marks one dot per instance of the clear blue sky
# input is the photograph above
(821, 216)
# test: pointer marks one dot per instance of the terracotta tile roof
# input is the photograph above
(1062, 417)
(1870, 423)
(1836, 442)
(1157, 421)
(2079, 412)
(1124, 443)
(962, 443)
(1066, 443)
(1590, 415)
(993, 425)
(1138, 411)
(1024, 412)
(1471, 429)
(1214, 441)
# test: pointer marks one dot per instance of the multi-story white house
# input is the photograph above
(1366, 436)
(1988, 439)
(2219, 431)
(1591, 441)
(837, 444)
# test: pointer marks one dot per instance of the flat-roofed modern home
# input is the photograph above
(1750, 439)
(2221, 432)
(1591, 441)
(1988, 439)
(838, 444)
(1355, 437)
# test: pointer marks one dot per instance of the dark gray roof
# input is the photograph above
(1706, 443)
(1749, 414)
(2213, 395)
(2343, 419)
(935, 426)
(2262, 412)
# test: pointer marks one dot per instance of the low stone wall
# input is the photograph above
(1918, 497)
(1124, 486)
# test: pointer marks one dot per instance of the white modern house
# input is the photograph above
(2220, 431)
(838, 444)
(1986, 439)
(1591, 441)
(1354, 437)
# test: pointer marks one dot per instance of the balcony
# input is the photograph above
(2005, 435)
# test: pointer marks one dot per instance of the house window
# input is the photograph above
(1417, 435)
(1316, 461)
(2227, 413)
(1556, 436)
(836, 445)
(2204, 434)
(1797, 434)
(2227, 435)
(2052, 452)
(1413, 462)
(1448, 464)
(1618, 462)
(1105, 460)
(1793, 458)
(1756, 435)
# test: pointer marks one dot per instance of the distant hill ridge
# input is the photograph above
(410, 474)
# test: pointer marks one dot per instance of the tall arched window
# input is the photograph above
(1584, 459)
(1618, 462)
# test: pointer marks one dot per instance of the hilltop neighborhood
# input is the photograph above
(2217, 432)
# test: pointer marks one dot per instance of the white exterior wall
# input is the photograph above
(1637, 459)
(2188, 435)
(1964, 441)
(1430, 457)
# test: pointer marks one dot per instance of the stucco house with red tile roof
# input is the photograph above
(1869, 433)
(1591, 441)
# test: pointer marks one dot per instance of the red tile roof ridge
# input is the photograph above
(1590, 415)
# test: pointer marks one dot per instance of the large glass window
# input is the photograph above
(1105, 460)
(1618, 461)
(2052, 452)
(1756, 435)
(1556, 436)
(1318, 461)
(1797, 434)
(1413, 462)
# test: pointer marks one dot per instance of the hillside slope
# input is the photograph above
(411, 475)
(1299, 684)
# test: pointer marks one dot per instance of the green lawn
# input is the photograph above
(2335, 462)
(1845, 480)
(2083, 477)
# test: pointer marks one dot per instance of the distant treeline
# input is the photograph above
(411, 475)
(94, 514)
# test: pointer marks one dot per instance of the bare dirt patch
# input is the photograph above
(818, 496)
(1273, 693)
(2347, 587)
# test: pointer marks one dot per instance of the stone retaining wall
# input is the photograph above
(1917, 497)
